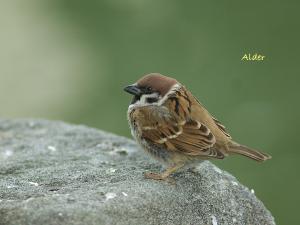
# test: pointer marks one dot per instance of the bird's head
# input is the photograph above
(150, 89)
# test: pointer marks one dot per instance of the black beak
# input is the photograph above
(133, 89)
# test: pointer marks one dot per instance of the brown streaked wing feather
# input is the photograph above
(206, 117)
(197, 139)
(180, 104)
(193, 140)
(177, 132)
(221, 127)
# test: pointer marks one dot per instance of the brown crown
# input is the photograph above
(157, 82)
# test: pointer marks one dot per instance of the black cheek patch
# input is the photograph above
(152, 100)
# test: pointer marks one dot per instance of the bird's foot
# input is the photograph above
(193, 169)
(159, 176)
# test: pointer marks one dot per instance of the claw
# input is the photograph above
(154, 176)
(164, 175)
(158, 176)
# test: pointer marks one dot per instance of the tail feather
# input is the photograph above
(248, 152)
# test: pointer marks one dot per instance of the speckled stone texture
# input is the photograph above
(56, 173)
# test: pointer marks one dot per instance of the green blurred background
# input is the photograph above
(69, 60)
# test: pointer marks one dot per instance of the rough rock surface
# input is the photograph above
(56, 173)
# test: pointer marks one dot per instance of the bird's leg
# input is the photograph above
(164, 175)
(194, 167)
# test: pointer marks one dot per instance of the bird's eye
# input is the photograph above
(151, 100)
(149, 89)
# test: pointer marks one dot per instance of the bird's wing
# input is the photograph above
(204, 113)
(171, 128)
(221, 127)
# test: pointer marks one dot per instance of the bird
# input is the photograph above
(174, 127)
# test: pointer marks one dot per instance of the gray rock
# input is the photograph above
(55, 173)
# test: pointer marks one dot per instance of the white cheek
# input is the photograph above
(143, 100)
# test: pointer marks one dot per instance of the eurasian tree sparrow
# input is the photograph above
(175, 128)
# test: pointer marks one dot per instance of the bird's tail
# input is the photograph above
(248, 152)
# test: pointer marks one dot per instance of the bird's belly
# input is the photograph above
(159, 153)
